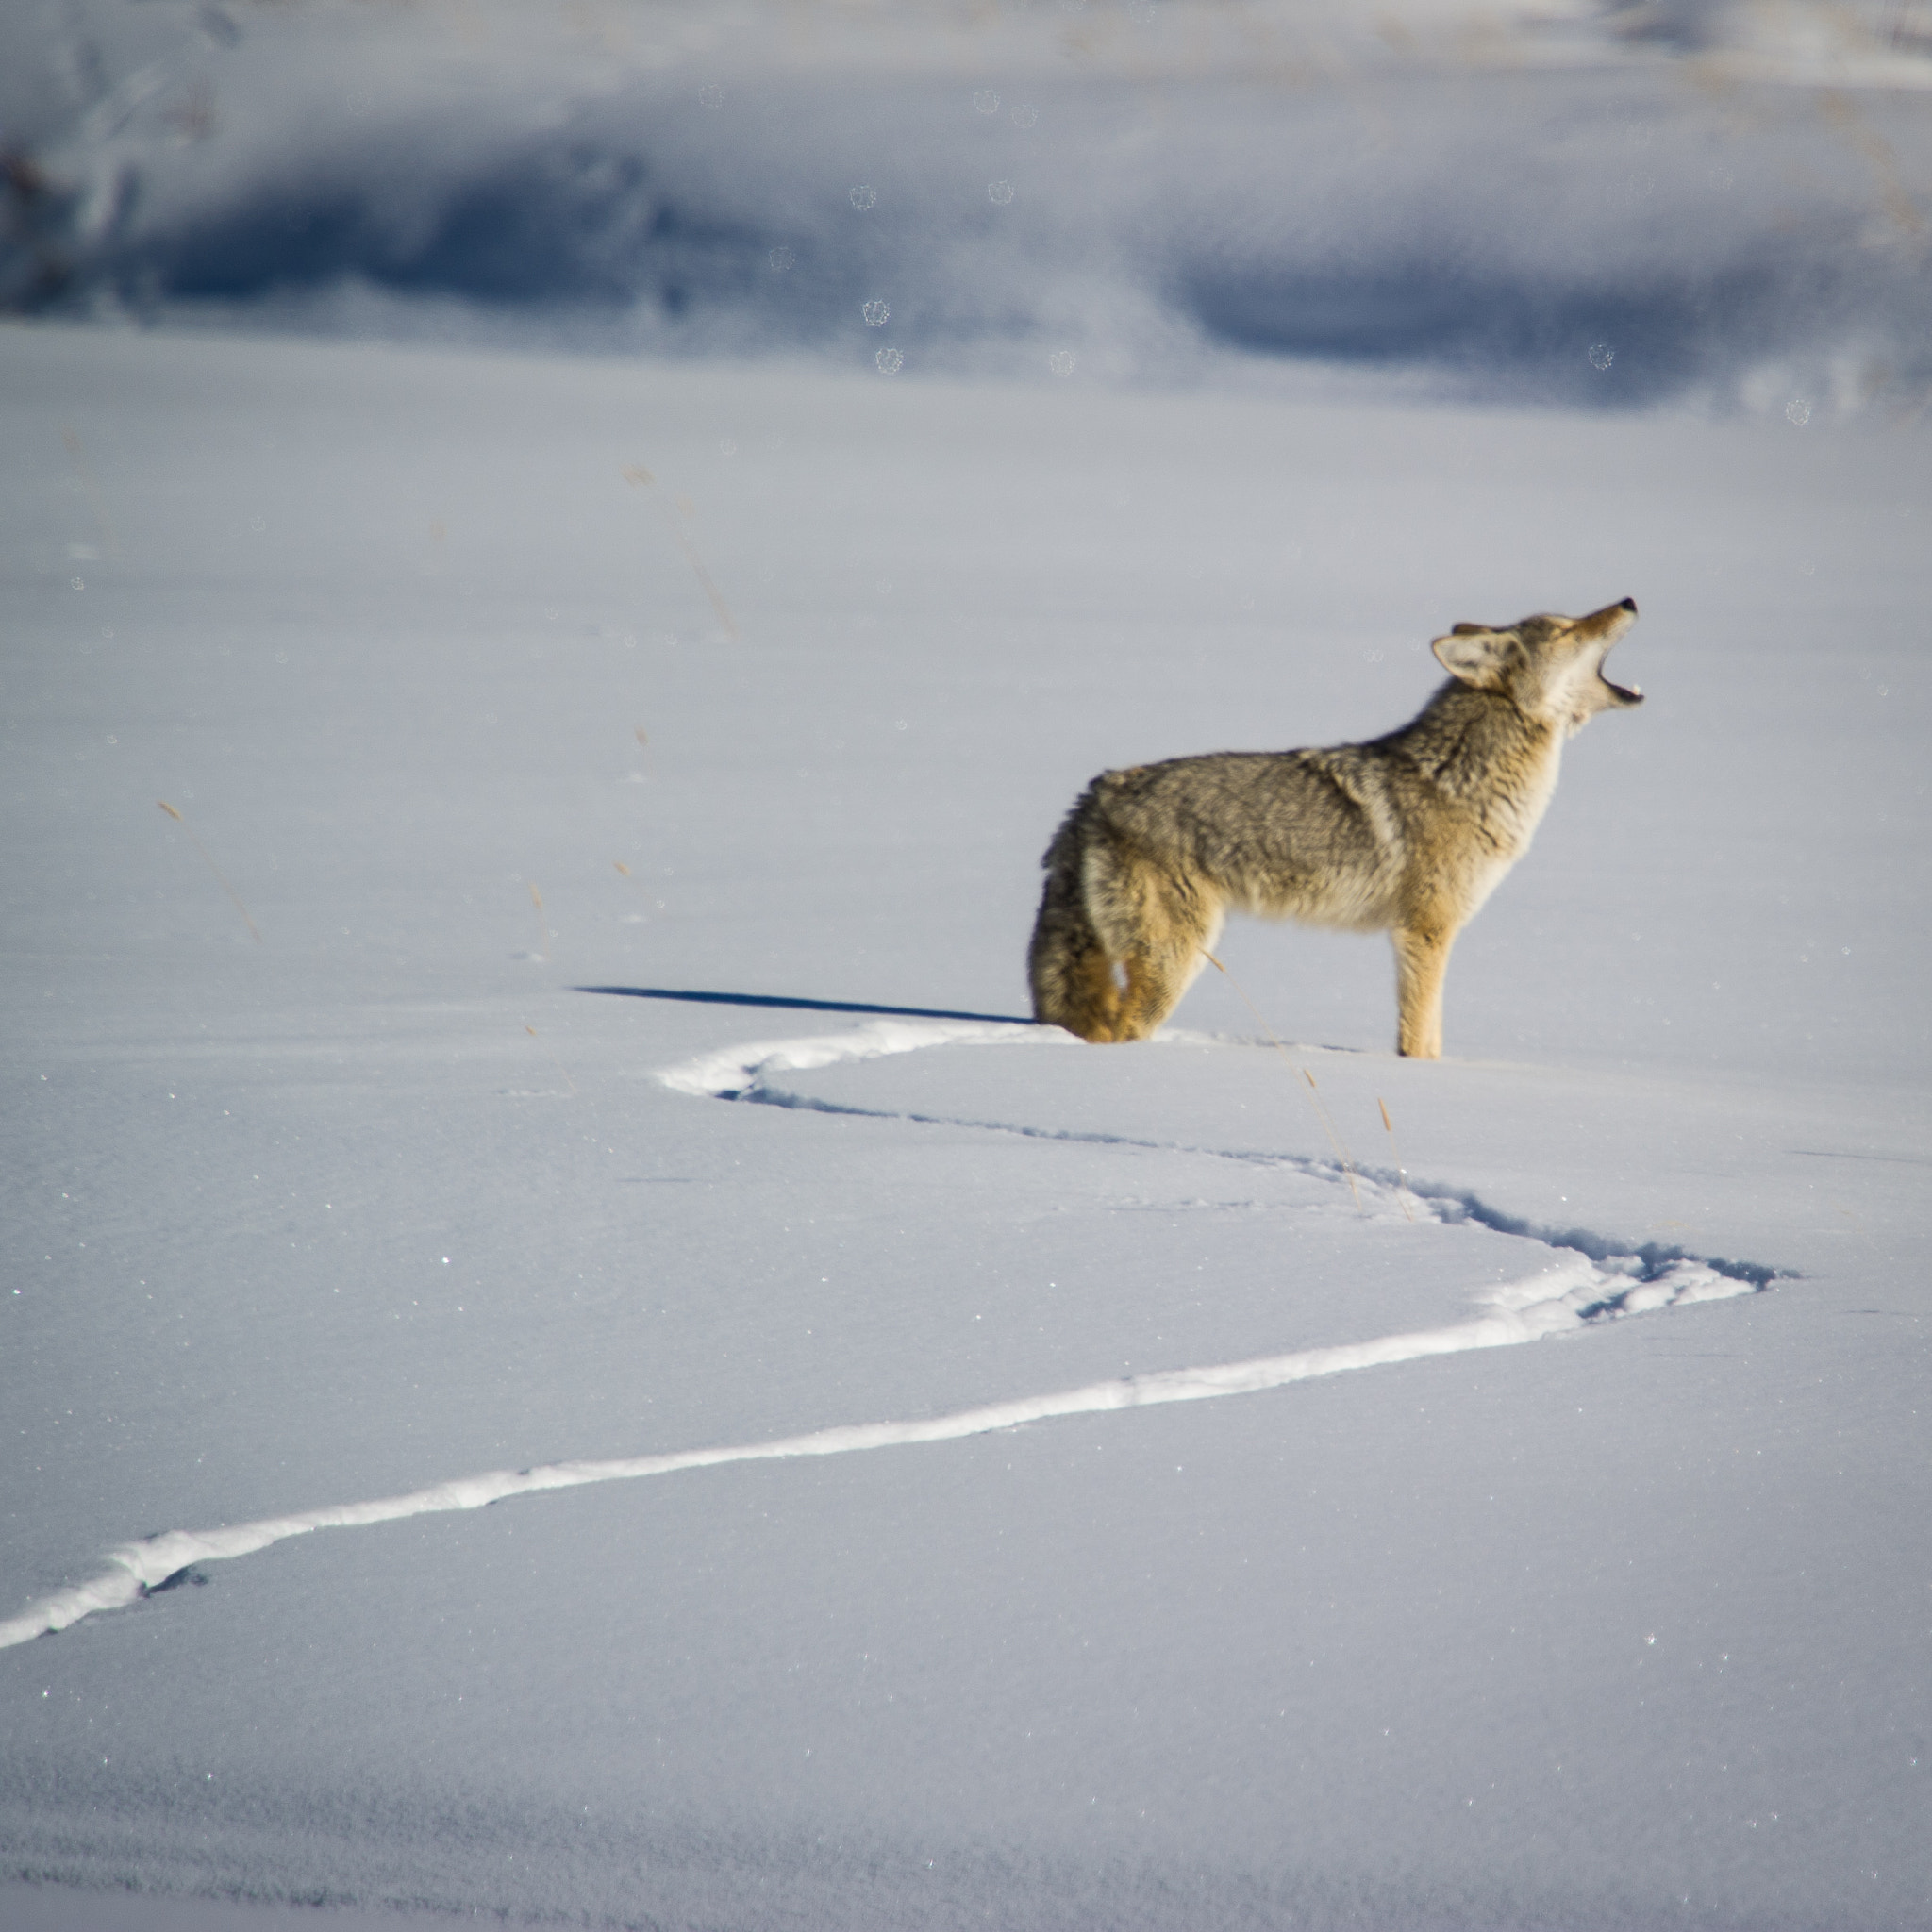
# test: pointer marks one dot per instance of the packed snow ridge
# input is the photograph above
(1585, 1284)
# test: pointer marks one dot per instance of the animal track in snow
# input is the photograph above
(1588, 1282)
(753, 1073)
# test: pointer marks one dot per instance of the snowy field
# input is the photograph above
(568, 1357)
(1624, 1626)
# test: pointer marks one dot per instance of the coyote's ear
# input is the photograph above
(1477, 655)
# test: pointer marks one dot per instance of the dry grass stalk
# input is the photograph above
(636, 473)
(542, 918)
(211, 865)
(559, 1065)
(1400, 1172)
(71, 439)
(1341, 1153)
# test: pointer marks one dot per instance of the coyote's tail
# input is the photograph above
(1069, 971)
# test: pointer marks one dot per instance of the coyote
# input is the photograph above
(1408, 833)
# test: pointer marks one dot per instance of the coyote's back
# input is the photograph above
(1408, 833)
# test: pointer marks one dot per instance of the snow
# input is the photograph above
(929, 1610)
(569, 1355)
(1554, 1301)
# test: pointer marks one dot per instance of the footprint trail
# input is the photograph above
(1578, 1289)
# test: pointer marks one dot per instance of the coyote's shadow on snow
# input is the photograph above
(771, 999)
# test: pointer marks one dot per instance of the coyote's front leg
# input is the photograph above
(1422, 958)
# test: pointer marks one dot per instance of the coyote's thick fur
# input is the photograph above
(1408, 833)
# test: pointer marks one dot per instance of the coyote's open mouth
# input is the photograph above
(1617, 619)
(1624, 694)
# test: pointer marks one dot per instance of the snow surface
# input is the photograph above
(628, 1079)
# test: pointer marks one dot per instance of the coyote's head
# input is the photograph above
(1550, 668)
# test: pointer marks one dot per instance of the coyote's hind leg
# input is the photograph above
(1092, 1003)
(1174, 928)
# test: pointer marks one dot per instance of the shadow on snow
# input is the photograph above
(767, 999)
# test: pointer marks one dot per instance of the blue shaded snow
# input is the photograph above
(1634, 220)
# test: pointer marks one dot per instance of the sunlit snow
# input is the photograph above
(568, 1353)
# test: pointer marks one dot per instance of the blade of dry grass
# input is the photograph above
(1400, 1172)
(78, 453)
(211, 865)
(1341, 1153)
(558, 1064)
(637, 473)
